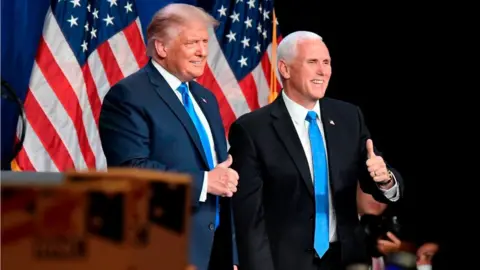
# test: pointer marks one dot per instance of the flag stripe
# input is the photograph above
(99, 75)
(261, 83)
(209, 81)
(92, 93)
(48, 136)
(112, 69)
(65, 94)
(22, 161)
(122, 53)
(70, 67)
(133, 35)
(225, 77)
(249, 89)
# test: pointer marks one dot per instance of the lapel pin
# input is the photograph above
(332, 123)
(204, 100)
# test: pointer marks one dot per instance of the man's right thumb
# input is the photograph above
(227, 163)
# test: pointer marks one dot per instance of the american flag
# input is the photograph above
(88, 46)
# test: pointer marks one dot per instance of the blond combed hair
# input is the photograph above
(168, 22)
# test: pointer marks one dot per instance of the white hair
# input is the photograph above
(287, 49)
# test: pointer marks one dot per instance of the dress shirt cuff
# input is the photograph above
(392, 193)
(203, 194)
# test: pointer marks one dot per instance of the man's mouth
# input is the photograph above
(318, 81)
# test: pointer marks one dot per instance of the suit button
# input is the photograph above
(211, 227)
(309, 250)
(311, 217)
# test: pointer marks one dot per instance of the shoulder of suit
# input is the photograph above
(129, 87)
(341, 107)
(338, 103)
(257, 117)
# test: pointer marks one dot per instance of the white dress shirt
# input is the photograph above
(174, 83)
(298, 114)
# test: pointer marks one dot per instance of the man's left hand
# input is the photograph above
(376, 165)
(235, 267)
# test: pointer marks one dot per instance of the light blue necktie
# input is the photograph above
(320, 178)
(187, 103)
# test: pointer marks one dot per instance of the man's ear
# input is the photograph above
(160, 48)
(283, 69)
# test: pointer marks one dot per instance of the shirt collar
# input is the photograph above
(172, 81)
(297, 111)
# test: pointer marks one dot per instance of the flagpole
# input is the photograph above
(273, 62)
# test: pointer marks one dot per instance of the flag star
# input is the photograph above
(259, 28)
(257, 47)
(222, 11)
(239, 1)
(265, 14)
(89, 7)
(243, 61)
(245, 42)
(248, 22)
(260, 8)
(128, 7)
(251, 4)
(231, 36)
(86, 27)
(109, 20)
(95, 13)
(112, 2)
(276, 21)
(93, 32)
(84, 46)
(73, 21)
(75, 3)
(234, 16)
(264, 34)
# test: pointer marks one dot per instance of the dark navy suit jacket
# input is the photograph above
(143, 124)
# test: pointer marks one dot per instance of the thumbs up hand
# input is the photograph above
(376, 165)
(222, 180)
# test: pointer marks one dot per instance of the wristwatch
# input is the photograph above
(386, 182)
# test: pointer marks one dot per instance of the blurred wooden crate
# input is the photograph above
(128, 219)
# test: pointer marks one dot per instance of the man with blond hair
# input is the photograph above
(160, 118)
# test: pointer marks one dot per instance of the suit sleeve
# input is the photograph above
(366, 182)
(125, 136)
(251, 236)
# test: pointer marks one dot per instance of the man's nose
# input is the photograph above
(320, 70)
(202, 49)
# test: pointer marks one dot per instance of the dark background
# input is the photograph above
(406, 66)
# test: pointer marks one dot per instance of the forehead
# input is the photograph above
(194, 30)
(312, 49)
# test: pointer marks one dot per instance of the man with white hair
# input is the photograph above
(299, 160)
(160, 118)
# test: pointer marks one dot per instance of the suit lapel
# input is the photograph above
(214, 121)
(288, 135)
(168, 96)
(333, 139)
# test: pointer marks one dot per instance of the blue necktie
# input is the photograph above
(187, 103)
(320, 176)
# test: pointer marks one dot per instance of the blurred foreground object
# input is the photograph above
(401, 261)
(125, 219)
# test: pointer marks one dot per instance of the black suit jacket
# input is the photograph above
(274, 205)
